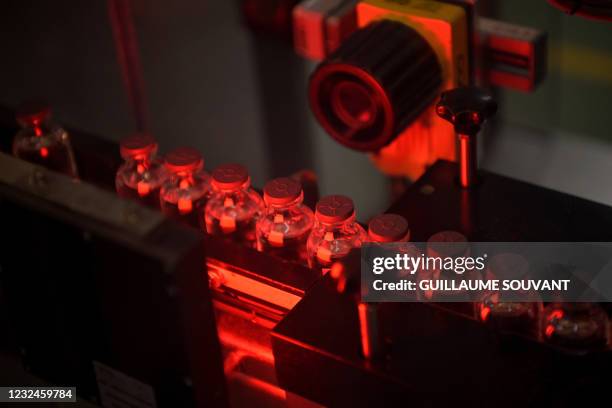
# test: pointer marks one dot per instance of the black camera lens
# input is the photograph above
(377, 82)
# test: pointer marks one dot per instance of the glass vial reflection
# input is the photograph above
(42, 142)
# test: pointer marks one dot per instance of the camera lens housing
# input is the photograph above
(374, 85)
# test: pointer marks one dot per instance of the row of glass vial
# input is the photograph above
(280, 224)
(578, 326)
(224, 204)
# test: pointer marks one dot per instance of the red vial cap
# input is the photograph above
(33, 112)
(183, 159)
(138, 144)
(229, 176)
(334, 208)
(388, 228)
(282, 191)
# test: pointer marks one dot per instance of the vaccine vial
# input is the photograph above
(442, 245)
(393, 229)
(184, 194)
(141, 175)
(234, 207)
(578, 326)
(501, 313)
(387, 228)
(284, 227)
(42, 142)
(334, 233)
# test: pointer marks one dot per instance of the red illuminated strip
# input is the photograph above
(238, 280)
(231, 340)
(263, 386)
(366, 345)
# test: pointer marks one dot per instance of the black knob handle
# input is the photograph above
(375, 84)
(467, 109)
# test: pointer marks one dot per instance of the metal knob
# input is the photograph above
(467, 109)
(375, 85)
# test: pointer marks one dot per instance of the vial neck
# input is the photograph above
(286, 206)
(387, 240)
(36, 127)
(244, 189)
(338, 225)
(142, 163)
(185, 179)
(38, 132)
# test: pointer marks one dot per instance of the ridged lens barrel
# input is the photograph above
(375, 85)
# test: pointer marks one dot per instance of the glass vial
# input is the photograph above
(234, 207)
(286, 222)
(184, 194)
(334, 233)
(580, 326)
(42, 142)
(387, 228)
(448, 244)
(141, 175)
(497, 310)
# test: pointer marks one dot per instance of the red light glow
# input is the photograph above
(44, 152)
(184, 205)
(228, 224)
(324, 254)
(366, 344)
(484, 313)
(337, 270)
(184, 184)
(556, 315)
(239, 280)
(143, 188)
(276, 238)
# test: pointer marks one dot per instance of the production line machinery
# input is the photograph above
(132, 306)
(120, 288)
